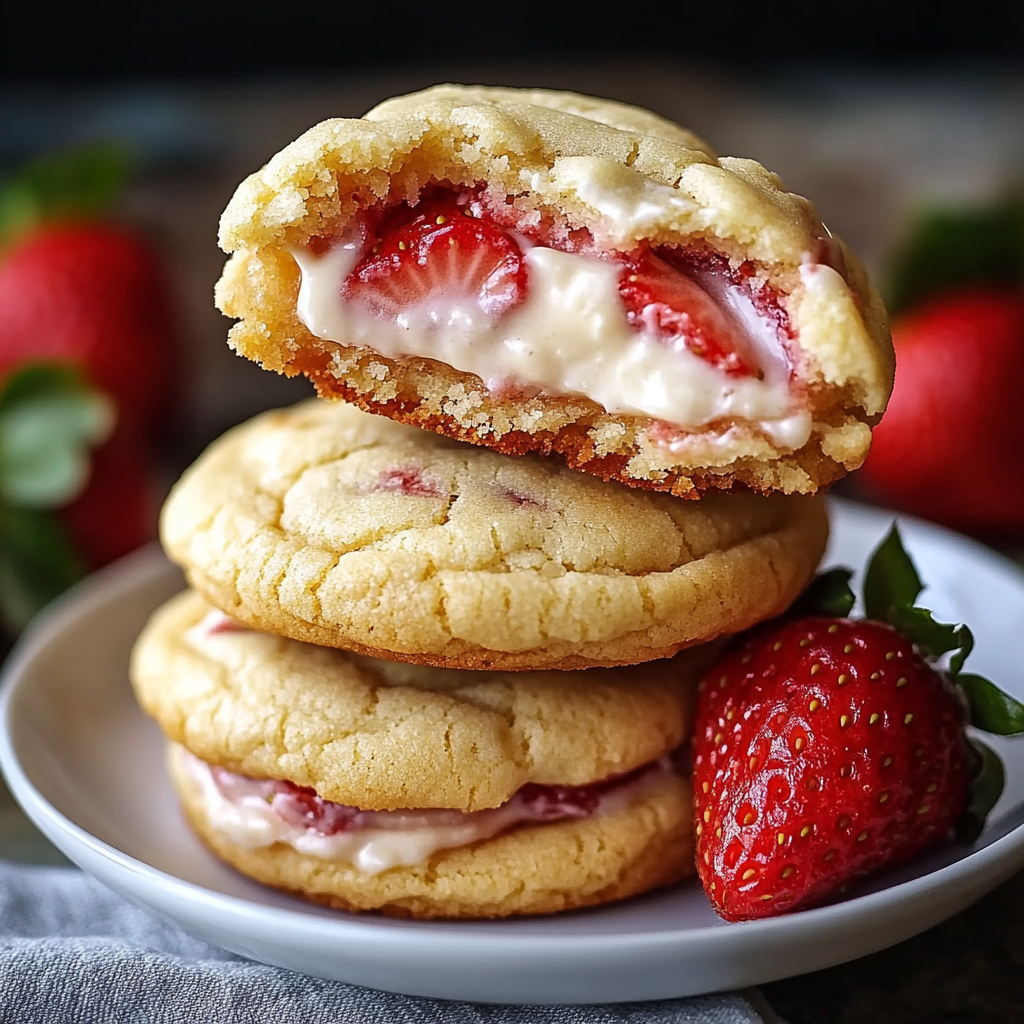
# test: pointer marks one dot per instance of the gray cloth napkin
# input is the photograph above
(72, 952)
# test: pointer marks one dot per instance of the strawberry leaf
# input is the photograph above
(74, 183)
(35, 379)
(917, 624)
(37, 563)
(991, 709)
(891, 588)
(956, 663)
(829, 594)
(950, 248)
(983, 792)
(48, 421)
(891, 580)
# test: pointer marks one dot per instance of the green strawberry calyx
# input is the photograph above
(72, 183)
(950, 247)
(49, 420)
(891, 589)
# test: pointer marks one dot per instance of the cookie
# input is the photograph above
(540, 869)
(544, 272)
(384, 735)
(328, 525)
(374, 785)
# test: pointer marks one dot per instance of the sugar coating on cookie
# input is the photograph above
(380, 735)
(325, 524)
(538, 271)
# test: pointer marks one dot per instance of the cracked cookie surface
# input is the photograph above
(386, 735)
(628, 179)
(329, 525)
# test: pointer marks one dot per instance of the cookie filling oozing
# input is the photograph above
(678, 335)
(257, 813)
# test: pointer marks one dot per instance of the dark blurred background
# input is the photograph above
(218, 39)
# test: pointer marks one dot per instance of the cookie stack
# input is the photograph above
(417, 676)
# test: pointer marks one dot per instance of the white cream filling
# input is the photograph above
(213, 625)
(570, 336)
(631, 207)
(401, 838)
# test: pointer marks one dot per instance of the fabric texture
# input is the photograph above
(72, 952)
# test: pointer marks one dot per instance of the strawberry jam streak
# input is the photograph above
(408, 480)
(450, 241)
(216, 622)
(301, 807)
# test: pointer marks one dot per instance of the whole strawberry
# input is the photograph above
(827, 748)
(83, 292)
(91, 295)
(956, 402)
(949, 446)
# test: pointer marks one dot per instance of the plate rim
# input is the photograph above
(1005, 852)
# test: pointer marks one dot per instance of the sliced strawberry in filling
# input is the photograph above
(667, 301)
(434, 256)
(446, 259)
(682, 335)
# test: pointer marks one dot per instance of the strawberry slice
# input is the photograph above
(660, 296)
(436, 253)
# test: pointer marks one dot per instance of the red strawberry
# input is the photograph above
(92, 295)
(949, 446)
(828, 765)
(438, 249)
(827, 748)
(658, 295)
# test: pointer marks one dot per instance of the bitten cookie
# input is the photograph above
(541, 271)
(372, 785)
(325, 524)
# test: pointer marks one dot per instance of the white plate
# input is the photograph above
(86, 766)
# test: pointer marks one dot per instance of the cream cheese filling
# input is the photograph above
(569, 336)
(391, 838)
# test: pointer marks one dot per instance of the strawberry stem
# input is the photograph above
(891, 588)
(891, 580)
(50, 418)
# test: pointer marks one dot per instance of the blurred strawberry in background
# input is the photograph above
(87, 375)
(951, 444)
(92, 295)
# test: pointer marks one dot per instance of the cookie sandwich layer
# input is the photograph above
(621, 851)
(357, 781)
